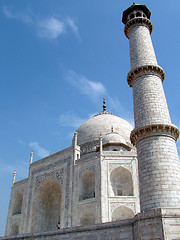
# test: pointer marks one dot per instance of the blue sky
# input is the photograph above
(58, 60)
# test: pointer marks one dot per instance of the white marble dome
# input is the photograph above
(102, 124)
(113, 137)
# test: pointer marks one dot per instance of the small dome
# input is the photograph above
(102, 124)
(113, 138)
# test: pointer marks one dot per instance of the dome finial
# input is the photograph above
(104, 105)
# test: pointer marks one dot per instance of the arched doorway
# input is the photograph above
(47, 206)
(121, 182)
(87, 186)
(121, 213)
(14, 230)
(17, 204)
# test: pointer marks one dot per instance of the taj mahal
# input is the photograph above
(113, 182)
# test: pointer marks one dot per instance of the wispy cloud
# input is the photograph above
(22, 16)
(21, 142)
(90, 88)
(20, 167)
(73, 26)
(118, 109)
(51, 28)
(95, 91)
(70, 119)
(115, 104)
(48, 28)
(41, 152)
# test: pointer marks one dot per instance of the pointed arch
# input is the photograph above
(17, 207)
(87, 217)
(14, 230)
(122, 213)
(47, 206)
(121, 182)
(87, 185)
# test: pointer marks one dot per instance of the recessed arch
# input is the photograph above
(122, 213)
(14, 230)
(132, 16)
(138, 14)
(121, 182)
(87, 217)
(87, 185)
(47, 206)
(17, 207)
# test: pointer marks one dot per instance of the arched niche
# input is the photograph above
(87, 217)
(122, 213)
(121, 182)
(47, 206)
(14, 230)
(87, 185)
(17, 204)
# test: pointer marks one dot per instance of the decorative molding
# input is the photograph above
(84, 169)
(130, 205)
(113, 166)
(104, 112)
(55, 174)
(82, 207)
(138, 21)
(67, 197)
(154, 130)
(145, 70)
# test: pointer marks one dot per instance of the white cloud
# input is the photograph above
(21, 142)
(48, 28)
(22, 16)
(41, 152)
(51, 28)
(8, 13)
(21, 169)
(96, 91)
(73, 26)
(70, 119)
(90, 88)
(115, 104)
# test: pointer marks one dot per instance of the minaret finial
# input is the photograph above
(104, 105)
(14, 178)
(31, 157)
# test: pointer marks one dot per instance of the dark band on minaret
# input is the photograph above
(104, 105)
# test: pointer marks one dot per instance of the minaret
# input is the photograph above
(154, 134)
(14, 178)
(76, 149)
(31, 157)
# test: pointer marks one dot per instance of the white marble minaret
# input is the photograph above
(154, 135)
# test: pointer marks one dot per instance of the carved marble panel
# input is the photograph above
(58, 174)
(115, 165)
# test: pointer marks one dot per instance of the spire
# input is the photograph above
(14, 178)
(31, 157)
(75, 138)
(104, 105)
